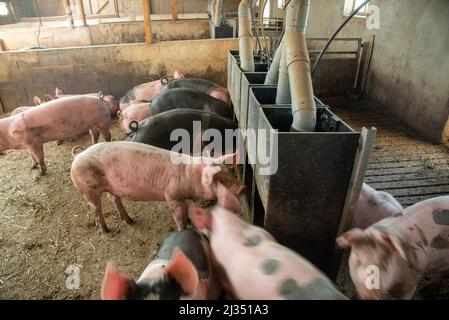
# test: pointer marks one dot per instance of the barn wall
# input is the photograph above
(117, 68)
(410, 65)
(112, 68)
(324, 18)
(110, 33)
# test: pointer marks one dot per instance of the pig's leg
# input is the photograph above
(120, 209)
(37, 152)
(33, 160)
(179, 210)
(94, 134)
(95, 202)
(106, 134)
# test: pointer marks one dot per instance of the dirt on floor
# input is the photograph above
(47, 228)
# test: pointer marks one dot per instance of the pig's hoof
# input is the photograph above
(129, 221)
(58, 143)
(104, 229)
(43, 173)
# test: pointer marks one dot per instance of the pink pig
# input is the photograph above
(145, 173)
(135, 112)
(374, 206)
(54, 120)
(255, 266)
(111, 100)
(402, 248)
(146, 92)
(182, 269)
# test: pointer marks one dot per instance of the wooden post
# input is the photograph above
(117, 11)
(82, 13)
(147, 20)
(68, 11)
(2, 45)
(174, 7)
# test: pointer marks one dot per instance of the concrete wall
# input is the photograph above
(117, 68)
(111, 33)
(113, 69)
(324, 18)
(409, 75)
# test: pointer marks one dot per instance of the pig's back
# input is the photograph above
(190, 242)
(202, 85)
(272, 271)
(182, 98)
(156, 130)
(63, 118)
(128, 169)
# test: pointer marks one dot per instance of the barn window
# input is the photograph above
(4, 10)
(351, 5)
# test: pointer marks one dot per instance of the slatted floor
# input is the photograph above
(402, 163)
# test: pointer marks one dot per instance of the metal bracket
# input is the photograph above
(366, 144)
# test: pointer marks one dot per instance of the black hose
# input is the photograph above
(317, 63)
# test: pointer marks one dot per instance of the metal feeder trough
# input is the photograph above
(304, 198)
(314, 179)
(220, 32)
(235, 76)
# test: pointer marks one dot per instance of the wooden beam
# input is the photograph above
(68, 12)
(102, 7)
(174, 7)
(117, 10)
(82, 13)
(147, 20)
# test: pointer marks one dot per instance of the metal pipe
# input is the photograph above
(273, 73)
(211, 9)
(318, 60)
(298, 63)
(283, 95)
(217, 15)
(245, 37)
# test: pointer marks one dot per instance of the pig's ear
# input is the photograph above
(37, 100)
(351, 237)
(227, 159)
(226, 199)
(178, 75)
(200, 218)
(390, 241)
(116, 285)
(59, 92)
(183, 270)
(207, 176)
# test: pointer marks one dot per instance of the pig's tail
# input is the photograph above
(133, 126)
(74, 153)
